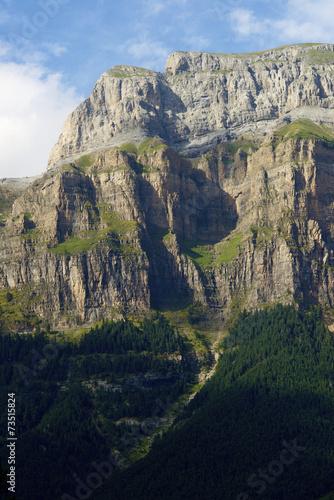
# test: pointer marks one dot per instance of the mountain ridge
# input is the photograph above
(113, 229)
(199, 101)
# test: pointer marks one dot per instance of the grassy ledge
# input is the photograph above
(229, 249)
(88, 240)
(303, 129)
(201, 254)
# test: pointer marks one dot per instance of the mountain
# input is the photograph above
(209, 184)
(202, 99)
(207, 193)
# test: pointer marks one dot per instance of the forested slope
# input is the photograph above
(100, 399)
(262, 425)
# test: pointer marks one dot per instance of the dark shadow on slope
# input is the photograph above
(262, 425)
(168, 283)
(235, 446)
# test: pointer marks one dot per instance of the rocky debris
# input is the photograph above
(19, 183)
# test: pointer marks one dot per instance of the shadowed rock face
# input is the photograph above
(202, 99)
(127, 228)
(130, 230)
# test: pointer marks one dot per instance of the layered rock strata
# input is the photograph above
(112, 228)
(202, 99)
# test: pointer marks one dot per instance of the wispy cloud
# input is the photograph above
(55, 49)
(300, 21)
(152, 8)
(4, 16)
(246, 24)
(5, 49)
(151, 53)
(197, 42)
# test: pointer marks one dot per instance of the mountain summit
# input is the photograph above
(202, 99)
(211, 183)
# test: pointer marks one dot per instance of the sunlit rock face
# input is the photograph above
(210, 183)
(202, 99)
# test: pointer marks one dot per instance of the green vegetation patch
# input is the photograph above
(35, 235)
(244, 143)
(206, 255)
(201, 254)
(304, 129)
(150, 145)
(320, 56)
(15, 304)
(71, 167)
(129, 147)
(85, 161)
(229, 249)
(115, 223)
(129, 72)
(167, 239)
(78, 244)
(88, 240)
(262, 235)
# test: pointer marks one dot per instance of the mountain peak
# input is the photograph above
(201, 100)
(213, 61)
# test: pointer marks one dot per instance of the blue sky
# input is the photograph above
(53, 51)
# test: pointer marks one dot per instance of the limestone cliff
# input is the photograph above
(202, 99)
(113, 228)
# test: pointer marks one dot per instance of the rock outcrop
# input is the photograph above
(201, 100)
(113, 228)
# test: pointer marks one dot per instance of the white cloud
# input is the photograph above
(152, 8)
(245, 23)
(4, 48)
(33, 107)
(55, 49)
(197, 42)
(152, 54)
(300, 21)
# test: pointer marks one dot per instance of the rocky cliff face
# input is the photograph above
(202, 99)
(135, 226)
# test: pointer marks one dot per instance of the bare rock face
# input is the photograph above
(98, 236)
(202, 99)
(121, 221)
(129, 229)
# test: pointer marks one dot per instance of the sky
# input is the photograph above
(52, 52)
